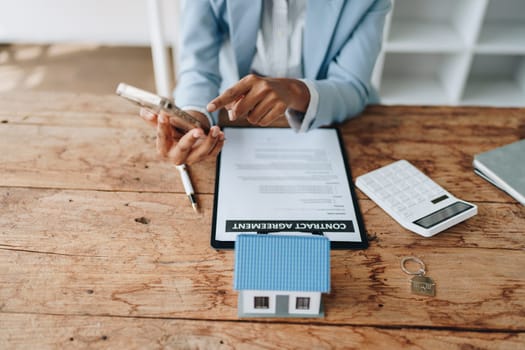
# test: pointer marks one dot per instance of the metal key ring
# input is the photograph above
(420, 272)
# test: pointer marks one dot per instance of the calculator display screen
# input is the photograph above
(443, 214)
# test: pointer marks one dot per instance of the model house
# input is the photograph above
(281, 276)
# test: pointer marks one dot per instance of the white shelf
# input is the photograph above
(496, 80)
(430, 26)
(502, 37)
(491, 92)
(503, 28)
(453, 52)
(421, 78)
(414, 36)
(413, 90)
(414, 78)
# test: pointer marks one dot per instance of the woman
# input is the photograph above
(307, 61)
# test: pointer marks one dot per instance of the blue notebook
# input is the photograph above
(504, 167)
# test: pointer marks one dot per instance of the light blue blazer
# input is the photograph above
(341, 42)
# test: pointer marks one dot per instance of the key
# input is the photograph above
(420, 284)
(423, 285)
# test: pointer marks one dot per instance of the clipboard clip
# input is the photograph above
(314, 232)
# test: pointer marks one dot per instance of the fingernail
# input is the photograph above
(163, 119)
(196, 134)
(230, 114)
(214, 132)
(211, 107)
(144, 113)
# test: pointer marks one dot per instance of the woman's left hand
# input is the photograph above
(262, 100)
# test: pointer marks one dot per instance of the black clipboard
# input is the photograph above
(308, 226)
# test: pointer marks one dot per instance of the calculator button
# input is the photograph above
(393, 201)
(419, 199)
(401, 208)
(410, 202)
(392, 191)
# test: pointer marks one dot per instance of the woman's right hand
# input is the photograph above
(189, 148)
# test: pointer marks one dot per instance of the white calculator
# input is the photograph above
(415, 201)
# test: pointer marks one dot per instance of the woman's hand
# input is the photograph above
(262, 100)
(189, 148)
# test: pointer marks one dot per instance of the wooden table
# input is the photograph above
(79, 268)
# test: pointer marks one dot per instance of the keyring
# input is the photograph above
(420, 272)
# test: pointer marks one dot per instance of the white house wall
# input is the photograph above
(249, 295)
(247, 301)
(315, 303)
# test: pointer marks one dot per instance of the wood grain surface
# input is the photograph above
(99, 246)
(56, 331)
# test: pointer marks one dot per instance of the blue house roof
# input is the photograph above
(287, 263)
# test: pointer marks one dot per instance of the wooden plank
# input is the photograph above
(367, 288)
(25, 211)
(100, 143)
(56, 331)
(91, 158)
(497, 225)
(82, 141)
(26, 104)
(76, 119)
(439, 141)
(83, 253)
(125, 160)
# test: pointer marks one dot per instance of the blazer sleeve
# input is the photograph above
(347, 88)
(201, 35)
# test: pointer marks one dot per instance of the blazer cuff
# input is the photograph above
(299, 121)
(201, 110)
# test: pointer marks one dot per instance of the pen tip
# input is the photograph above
(195, 207)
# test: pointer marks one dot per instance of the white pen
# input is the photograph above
(188, 187)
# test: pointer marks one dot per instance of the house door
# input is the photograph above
(281, 305)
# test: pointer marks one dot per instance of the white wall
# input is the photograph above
(248, 296)
(248, 307)
(315, 303)
(111, 22)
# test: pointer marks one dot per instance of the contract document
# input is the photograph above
(277, 181)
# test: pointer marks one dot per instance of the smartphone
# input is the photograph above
(179, 119)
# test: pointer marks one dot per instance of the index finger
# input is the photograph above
(230, 95)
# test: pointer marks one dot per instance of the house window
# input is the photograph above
(261, 302)
(302, 303)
